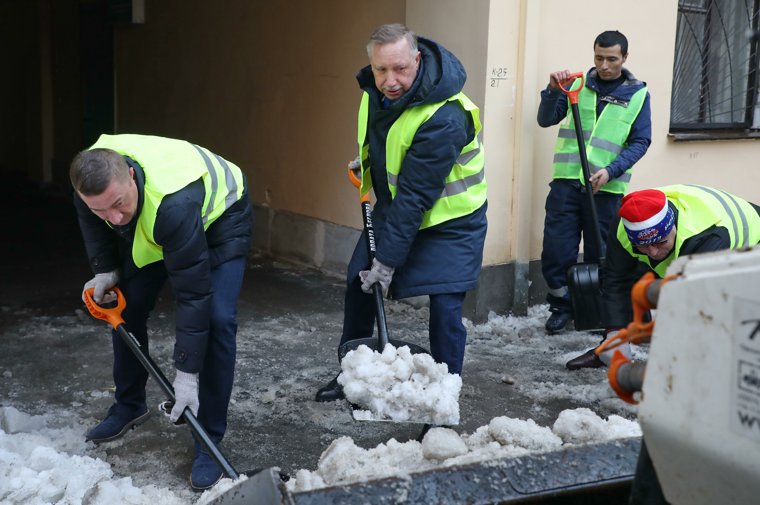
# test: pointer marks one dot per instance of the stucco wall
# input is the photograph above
(269, 85)
(567, 35)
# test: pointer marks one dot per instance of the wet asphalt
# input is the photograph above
(54, 356)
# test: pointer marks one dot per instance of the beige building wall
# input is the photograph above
(271, 86)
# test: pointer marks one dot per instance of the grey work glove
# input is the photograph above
(378, 273)
(101, 284)
(355, 164)
(186, 394)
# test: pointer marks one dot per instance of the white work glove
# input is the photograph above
(355, 164)
(102, 283)
(186, 394)
(378, 273)
(625, 348)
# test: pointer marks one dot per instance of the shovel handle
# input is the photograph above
(113, 317)
(110, 315)
(572, 95)
(377, 292)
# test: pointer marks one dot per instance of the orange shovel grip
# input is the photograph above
(357, 184)
(573, 94)
(110, 315)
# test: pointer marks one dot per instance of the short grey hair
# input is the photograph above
(93, 170)
(385, 34)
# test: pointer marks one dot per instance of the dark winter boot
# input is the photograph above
(118, 421)
(558, 321)
(205, 472)
(330, 392)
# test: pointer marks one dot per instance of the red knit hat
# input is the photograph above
(646, 216)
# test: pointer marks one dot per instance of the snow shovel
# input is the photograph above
(112, 316)
(583, 281)
(379, 343)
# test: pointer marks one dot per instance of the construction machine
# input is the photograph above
(699, 389)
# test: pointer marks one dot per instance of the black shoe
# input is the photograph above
(558, 321)
(116, 424)
(330, 392)
(588, 359)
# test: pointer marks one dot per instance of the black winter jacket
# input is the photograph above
(189, 255)
(445, 258)
(621, 270)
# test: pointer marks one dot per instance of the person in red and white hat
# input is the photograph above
(656, 226)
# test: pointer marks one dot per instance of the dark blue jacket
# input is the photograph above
(553, 109)
(445, 258)
(189, 254)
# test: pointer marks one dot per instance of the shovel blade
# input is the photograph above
(373, 344)
(263, 488)
(585, 296)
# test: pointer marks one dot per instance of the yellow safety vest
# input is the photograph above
(465, 189)
(605, 137)
(170, 165)
(699, 208)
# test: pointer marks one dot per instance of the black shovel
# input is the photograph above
(583, 280)
(379, 343)
(112, 316)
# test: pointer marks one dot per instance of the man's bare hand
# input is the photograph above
(599, 179)
(558, 77)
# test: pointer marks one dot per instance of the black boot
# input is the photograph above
(330, 392)
(558, 321)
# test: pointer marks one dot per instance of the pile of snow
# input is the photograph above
(400, 386)
(41, 464)
(343, 462)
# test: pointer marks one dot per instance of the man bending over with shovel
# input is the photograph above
(152, 208)
(420, 153)
(656, 226)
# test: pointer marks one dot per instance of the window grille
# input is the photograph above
(715, 73)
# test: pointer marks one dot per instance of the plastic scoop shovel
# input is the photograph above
(267, 481)
(376, 344)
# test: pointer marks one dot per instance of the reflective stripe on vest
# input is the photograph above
(170, 165)
(699, 208)
(605, 137)
(465, 186)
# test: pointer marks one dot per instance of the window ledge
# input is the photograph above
(715, 135)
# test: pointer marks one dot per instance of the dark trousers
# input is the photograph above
(568, 217)
(216, 377)
(445, 328)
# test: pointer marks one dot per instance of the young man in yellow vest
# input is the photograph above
(615, 117)
(655, 227)
(419, 152)
(152, 208)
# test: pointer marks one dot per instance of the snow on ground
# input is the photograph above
(44, 458)
(344, 462)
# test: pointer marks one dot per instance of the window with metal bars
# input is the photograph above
(716, 70)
